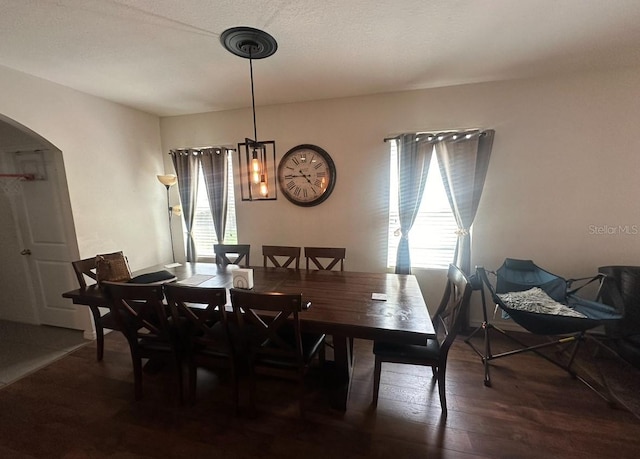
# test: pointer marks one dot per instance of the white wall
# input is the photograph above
(564, 162)
(565, 157)
(111, 156)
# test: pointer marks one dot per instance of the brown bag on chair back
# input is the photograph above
(112, 267)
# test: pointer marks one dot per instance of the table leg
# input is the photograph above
(341, 381)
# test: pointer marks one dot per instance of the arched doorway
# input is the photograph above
(37, 233)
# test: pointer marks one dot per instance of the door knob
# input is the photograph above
(25, 252)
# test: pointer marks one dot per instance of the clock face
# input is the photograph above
(306, 175)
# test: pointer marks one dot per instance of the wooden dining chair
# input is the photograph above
(270, 325)
(446, 321)
(206, 338)
(87, 269)
(281, 256)
(239, 253)
(143, 318)
(325, 258)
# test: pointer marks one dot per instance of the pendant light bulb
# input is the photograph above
(255, 168)
(264, 190)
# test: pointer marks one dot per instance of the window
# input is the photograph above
(432, 240)
(204, 234)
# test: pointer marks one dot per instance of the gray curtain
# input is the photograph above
(214, 163)
(414, 156)
(464, 159)
(185, 163)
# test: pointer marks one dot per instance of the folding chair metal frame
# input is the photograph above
(568, 334)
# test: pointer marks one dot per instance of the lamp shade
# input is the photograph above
(168, 180)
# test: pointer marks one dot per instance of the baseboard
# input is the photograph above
(91, 334)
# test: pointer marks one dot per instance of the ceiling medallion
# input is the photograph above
(248, 42)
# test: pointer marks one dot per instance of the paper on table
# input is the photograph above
(379, 296)
(173, 265)
(196, 279)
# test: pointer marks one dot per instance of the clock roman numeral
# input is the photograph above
(318, 165)
(291, 185)
(295, 161)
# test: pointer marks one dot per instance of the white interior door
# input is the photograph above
(46, 228)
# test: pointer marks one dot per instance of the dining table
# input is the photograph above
(344, 304)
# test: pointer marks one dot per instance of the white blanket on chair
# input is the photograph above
(536, 300)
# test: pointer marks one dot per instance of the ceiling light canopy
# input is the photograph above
(248, 42)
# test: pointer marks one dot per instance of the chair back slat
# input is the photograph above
(325, 258)
(202, 308)
(276, 253)
(86, 267)
(240, 251)
(264, 318)
(139, 310)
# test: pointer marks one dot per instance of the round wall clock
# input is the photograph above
(306, 175)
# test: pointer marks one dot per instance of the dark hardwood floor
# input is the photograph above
(79, 408)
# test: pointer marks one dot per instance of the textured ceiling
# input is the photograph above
(164, 56)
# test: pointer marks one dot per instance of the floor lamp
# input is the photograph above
(168, 181)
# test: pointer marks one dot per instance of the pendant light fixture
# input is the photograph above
(257, 158)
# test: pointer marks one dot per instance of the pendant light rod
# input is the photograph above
(253, 98)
